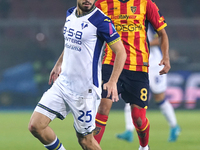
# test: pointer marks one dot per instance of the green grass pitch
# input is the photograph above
(14, 134)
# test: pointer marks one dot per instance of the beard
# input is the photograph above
(85, 9)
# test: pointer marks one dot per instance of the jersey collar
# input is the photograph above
(84, 14)
(123, 1)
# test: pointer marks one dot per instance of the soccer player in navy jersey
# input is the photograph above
(77, 76)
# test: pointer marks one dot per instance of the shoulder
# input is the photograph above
(150, 1)
(99, 18)
(152, 4)
(98, 2)
(69, 11)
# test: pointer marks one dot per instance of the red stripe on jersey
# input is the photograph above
(124, 36)
(110, 7)
(123, 8)
(113, 58)
(137, 3)
(98, 4)
(138, 52)
(139, 58)
(146, 44)
(146, 25)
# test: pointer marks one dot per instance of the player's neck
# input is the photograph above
(80, 13)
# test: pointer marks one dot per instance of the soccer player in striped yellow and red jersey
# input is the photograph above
(131, 18)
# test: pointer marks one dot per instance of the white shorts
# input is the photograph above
(58, 101)
(157, 83)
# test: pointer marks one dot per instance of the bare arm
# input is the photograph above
(165, 51)
(56, 69)
(155, 42)
(111, 85)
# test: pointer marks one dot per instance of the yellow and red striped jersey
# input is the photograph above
(131, 18)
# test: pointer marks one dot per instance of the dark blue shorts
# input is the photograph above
(132, 85)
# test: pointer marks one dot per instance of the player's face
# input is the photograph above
(85, 5)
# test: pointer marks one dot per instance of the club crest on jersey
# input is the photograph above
(84, 25)
(133, 9)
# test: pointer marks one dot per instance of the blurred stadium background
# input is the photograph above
(31, 40)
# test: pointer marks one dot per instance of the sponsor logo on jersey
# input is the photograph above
(161, 19)
(125, 17)
(108, 20)
(72, 40)
(114, 8)
(73, 47)
(87, 128)
(128, 27)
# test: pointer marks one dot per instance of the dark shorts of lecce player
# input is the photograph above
(132, 86)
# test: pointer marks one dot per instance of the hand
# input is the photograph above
(111, 88)
(54, 74)
(166, 67)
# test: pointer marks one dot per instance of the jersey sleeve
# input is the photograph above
(108, 32)
(154, 16)
(105, 28)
